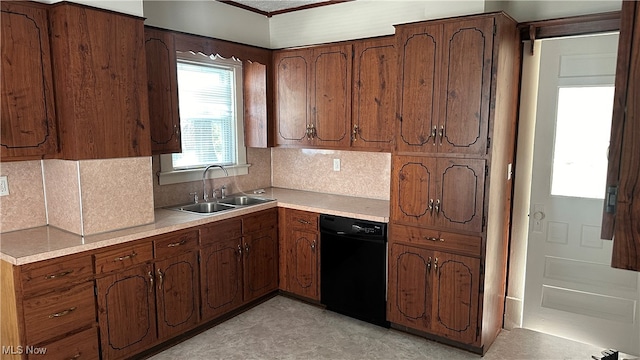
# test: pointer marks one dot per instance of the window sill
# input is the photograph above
(182, 176)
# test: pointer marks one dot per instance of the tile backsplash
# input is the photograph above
(363, 174)
(92, 196)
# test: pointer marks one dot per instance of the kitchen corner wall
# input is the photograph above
(24, 207)
(363, 174)
(83, 197)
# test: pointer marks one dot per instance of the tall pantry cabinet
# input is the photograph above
(451, 181)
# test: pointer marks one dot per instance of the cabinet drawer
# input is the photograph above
(123, 257)
(55, 314)
(302, 220)
(439, 240)
(45, 276)
(81, 346)
(220, 231)
(175, 243)
(262, 220)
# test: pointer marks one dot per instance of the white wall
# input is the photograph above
(529, 10)
(132, 7)
(359, 19)
(209, 18)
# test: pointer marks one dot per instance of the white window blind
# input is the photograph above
(206, 94)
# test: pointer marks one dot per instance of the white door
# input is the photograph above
(570, 290)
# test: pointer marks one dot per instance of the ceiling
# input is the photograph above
(274, 7)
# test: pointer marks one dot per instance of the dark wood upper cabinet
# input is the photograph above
(375, 78)
(28, 108)
(162, 85)
(624, 157)
(313, 96)
(100, 83)
(292, 84)
(445, 86)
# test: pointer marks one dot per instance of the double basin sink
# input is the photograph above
(228, 203)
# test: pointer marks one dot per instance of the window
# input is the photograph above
(210, 102)
(581, 143)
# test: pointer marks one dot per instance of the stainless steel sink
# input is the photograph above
(228, 203)
(243, 200)
(204, 208)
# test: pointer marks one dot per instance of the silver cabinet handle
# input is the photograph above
(150, 281)
(434, 132)
(437, 205)
(441, 133)
(161, 275)
(431, 205)
(58, 275)
(62, 313)
(435, 264)
(429, 264)
(75, 357)
(302, 221)
(239, 249)
(126, 257)
(182, 242)
(313, 245)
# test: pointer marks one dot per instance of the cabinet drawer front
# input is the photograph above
(220, 231)
(262, 220)
(56, 314)
(123, 257)
(47, 275)
(439, 240)
(175, 243)
(81, 346)
(302, 220)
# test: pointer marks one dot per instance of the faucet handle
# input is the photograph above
(223, 191)
(214, 194)
(195, 196)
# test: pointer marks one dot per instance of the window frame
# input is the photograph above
(168, 174)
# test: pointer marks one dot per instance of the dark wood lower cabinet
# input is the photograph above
(177, 294)
(260, 264)
(221, 277)
(434, 292)
(127, 311)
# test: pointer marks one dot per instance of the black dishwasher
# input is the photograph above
(353, 268)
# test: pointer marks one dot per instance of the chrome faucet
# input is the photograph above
(205, 196)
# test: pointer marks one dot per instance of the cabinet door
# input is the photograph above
(375, 81)
(221, 277)
(460, 191)
(418, 103)
(260, 264)
(292, 108)
(331, 95)
(466, 84)
(455, 297)
(177, 294)
(101, 83)
(126, 311)
(409, 289)
(413, 190)
(302, 264)
(162, 83)
(28, 111)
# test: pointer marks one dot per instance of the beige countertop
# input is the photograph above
(46, 242)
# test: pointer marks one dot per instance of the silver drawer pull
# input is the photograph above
(177, 243)
(433, 239)
(62, 313)
(122, 258)
(75, 357)
(301, 221)
(58, 275)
